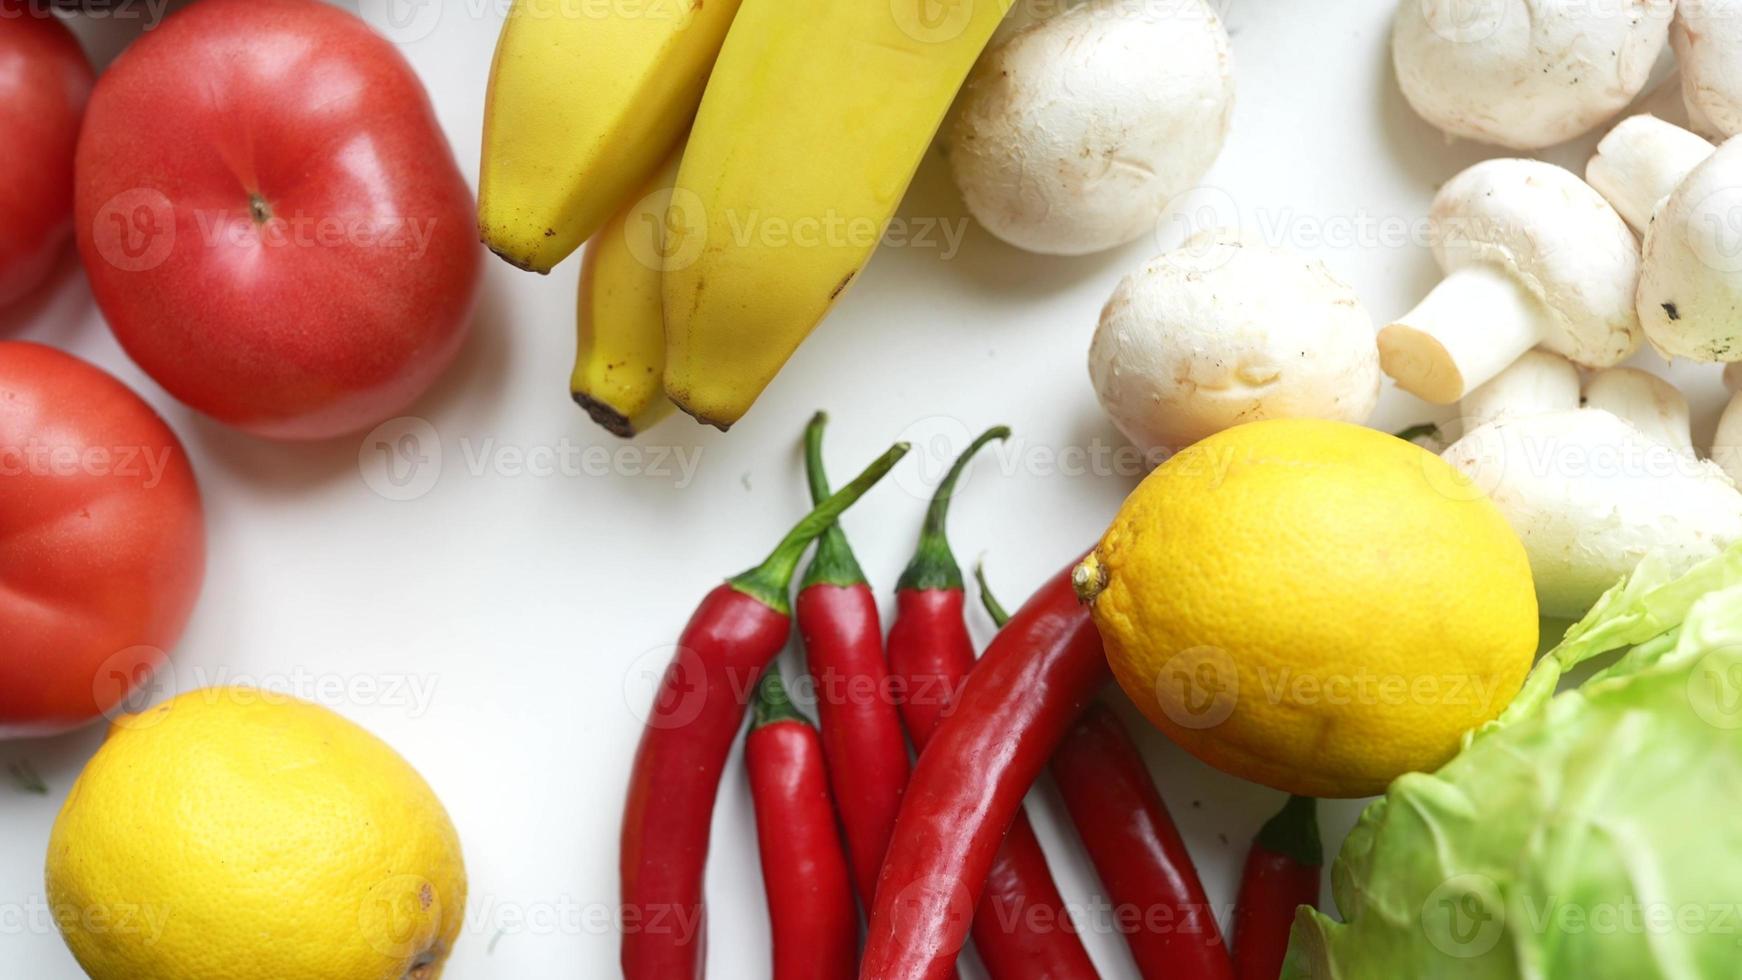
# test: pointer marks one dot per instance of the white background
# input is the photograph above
(497, 629)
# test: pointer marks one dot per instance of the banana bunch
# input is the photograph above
(586, 97)
(620, 359)
(806, 123)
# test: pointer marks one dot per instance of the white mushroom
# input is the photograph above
(1727, 441)
(1537, 383)
(1691, 287)
(1525, 73)
(1690, 197)
(1541, 382)
(1223, 331)
(1640, 161)
(1707, 37)
(1590, 493)
(1533, 257)
(1075, 133)
(1656, 408)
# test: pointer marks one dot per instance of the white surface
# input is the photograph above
(497, 629)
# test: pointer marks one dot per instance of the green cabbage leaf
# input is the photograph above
(1591, 833)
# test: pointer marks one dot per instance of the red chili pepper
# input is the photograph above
(810, 899)
(1282, 874)
(1158, 901)
(1036, 677)
(861, 727)
(1021, 928)
(739, 627)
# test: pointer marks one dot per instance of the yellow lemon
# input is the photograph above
(234, 834)
(1313, 605)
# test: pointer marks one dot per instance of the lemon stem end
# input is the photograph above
(1089, 578)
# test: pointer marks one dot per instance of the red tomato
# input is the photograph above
(44, 83)
(102, 540)
(272, 220)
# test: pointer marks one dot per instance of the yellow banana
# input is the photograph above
(816, 117)
(586, 97)
(620, 357)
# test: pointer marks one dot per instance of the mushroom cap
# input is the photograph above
(1707, 38)
(1073, 136)
(1223, 331)
(1691, 287)
(1654, 406)
(1525, 73)
(1640, 161)
(1559, 238)
(1590, 495)
(1537, 383)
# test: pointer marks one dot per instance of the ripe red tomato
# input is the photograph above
(44, 84)
(102, 540)
(272, 221)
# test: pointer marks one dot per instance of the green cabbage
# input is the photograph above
(1592, 833)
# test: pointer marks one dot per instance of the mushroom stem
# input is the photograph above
(1537, 383)
(1727, 441)
(1478, 320)
(1607, 496)
(1654, 406)
(1733, 376)
(1641, 160)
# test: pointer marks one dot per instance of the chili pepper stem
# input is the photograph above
(833, 563)
(934, 565)
(1420, 430)
(994, 608)
(773, 704)
(769, 582)
(1294, 832)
